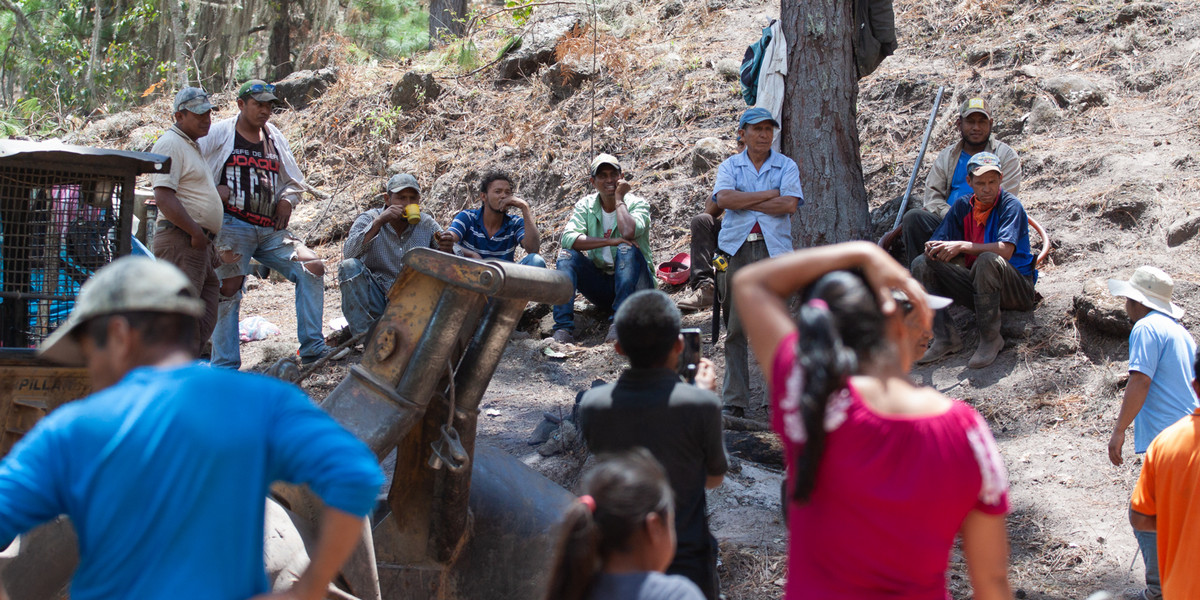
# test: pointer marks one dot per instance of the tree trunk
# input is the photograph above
(94, 54)
(177, 32)
(819, 128)
(279, 49)
(445, 19)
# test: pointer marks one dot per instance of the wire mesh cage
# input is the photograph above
(64, 213)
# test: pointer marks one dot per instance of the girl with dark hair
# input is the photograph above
(620, 537)
(883, 474)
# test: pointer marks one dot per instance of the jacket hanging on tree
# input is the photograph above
(875, 34)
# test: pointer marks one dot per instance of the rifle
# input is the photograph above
(937, 103)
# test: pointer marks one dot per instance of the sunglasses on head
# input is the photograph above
(259, 88)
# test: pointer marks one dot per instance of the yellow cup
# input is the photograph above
(412, 212)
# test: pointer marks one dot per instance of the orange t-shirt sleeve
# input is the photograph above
(1143, 492)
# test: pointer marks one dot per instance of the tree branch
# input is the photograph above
(21, 19)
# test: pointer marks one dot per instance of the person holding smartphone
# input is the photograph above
(652, 407)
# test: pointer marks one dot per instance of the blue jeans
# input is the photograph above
(630, 274)
(1148, 542)
(275, 249)
(364, 298)
(533, 260)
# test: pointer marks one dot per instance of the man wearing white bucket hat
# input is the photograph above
(1161, 370)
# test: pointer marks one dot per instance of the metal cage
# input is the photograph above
(65, 211)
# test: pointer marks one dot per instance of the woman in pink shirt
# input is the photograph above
(883, 474)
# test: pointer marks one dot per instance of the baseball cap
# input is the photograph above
(982, 163)
(401, 181)
(754, 115)
(257, 89)
(193, 99)
(974, 105)
(128, 284)
(605, 159)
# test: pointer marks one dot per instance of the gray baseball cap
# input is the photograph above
(193, 99)
(402, 181)
(128, 284)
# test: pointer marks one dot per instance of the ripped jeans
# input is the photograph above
(237, 243)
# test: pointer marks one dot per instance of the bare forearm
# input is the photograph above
(1004, 249)
(1135, 397)
(735, 200)
(790, 273)
(985, 547)
(779, 205)
(711, 208)
(625, 221)
(172, 209)
(1141, 522)
(532, 243)
(584, 243)
(340, 532)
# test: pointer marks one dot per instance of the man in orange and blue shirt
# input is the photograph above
(980, 257)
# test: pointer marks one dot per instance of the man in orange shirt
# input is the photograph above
(1167, 500)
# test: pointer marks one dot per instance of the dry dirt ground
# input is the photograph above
(1098, 97)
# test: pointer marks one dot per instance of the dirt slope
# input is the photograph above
(1098, 97)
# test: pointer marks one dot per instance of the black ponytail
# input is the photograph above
(840, 328)
(624, 489)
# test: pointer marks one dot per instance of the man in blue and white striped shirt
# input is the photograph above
(488, 232)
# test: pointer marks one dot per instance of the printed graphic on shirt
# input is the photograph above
(252, 174)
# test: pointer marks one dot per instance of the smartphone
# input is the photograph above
(689, 361)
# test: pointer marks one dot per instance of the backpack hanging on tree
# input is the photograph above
(752, 64)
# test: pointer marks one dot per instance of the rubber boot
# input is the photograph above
(945, 338)
(987, 317)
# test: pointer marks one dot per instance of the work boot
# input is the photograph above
(945, 338)
(564, 336)
(987, 317)
(699, 299)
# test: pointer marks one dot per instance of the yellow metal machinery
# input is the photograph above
(462, 521)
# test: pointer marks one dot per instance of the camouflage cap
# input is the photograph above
(128, 284)
(193, 99)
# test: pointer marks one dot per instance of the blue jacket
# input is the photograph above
(1007, 223)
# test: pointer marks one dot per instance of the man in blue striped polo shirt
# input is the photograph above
(488, 232)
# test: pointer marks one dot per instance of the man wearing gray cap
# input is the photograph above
(605, 247)
(759, 190)
(189, 207)
(980, 257)
(374, 250)
(164, 470)
(947, 179)
(260, 182)
(1161, 371)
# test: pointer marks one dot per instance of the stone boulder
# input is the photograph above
(1043, 115)
(707, 154)
(415, 89)
(565, 79)
(1075, 91)
(1183, 230)
(1099, 311)
(303, 87)
(537, 47)
(729, 69)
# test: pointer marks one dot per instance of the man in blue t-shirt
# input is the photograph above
(947, 179)
(164, 470)
(488, 232)
(1161, 371)
(979, 256)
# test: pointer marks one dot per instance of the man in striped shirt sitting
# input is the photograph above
(489, 232)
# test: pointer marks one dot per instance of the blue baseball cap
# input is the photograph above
(193, 99)
(754, 115)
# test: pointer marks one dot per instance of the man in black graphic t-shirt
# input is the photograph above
(251, 175)
(259, 182)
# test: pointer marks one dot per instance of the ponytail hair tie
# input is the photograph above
(589, 502)
(818, 303)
